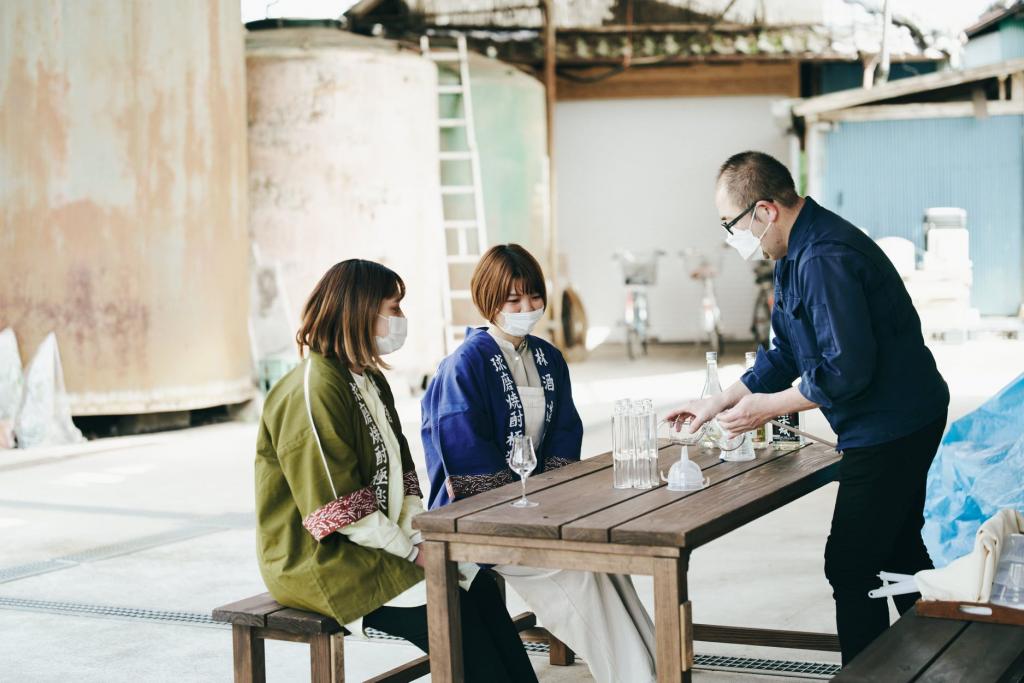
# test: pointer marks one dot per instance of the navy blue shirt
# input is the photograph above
(844, 324)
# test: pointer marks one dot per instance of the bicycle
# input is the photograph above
(700, 268)
(639, 270)
(761, 324)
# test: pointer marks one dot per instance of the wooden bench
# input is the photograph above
(918, 648)
(261, 618)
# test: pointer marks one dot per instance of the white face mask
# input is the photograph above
(518, 324)
(744, 241)
(398, 327)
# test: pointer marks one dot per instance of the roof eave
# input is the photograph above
(845, 99)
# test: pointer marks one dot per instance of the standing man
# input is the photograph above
(845, 326)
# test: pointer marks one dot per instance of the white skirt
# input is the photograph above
(600, 616)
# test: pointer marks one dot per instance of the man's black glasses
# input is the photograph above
(728, 224)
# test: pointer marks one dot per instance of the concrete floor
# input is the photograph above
(164, 523)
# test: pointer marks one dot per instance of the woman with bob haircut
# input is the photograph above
(503, 382)
(336, 489)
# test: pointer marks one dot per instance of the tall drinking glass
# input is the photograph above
(522, 461)
(621, 459)
(646, 476)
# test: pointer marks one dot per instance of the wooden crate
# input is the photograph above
(971, 611)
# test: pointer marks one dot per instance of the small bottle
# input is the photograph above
(621, 459)
(712, 387)
(782, 438)
(762, 436)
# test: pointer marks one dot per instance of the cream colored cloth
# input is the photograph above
(393, 532)
(969, 578)
(600, 616)
(520, 360)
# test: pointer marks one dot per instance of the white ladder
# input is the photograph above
(465, 235)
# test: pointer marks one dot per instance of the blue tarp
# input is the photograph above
(978, 470)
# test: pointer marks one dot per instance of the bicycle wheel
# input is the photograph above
(716, 341)
(632, 343)
(762, 323)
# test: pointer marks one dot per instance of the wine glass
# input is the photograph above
(522, 461)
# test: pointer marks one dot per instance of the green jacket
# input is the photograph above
(303, 495)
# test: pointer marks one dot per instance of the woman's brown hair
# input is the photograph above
(501, 268)
(340, 314)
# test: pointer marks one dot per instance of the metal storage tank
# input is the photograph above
(123, 196)
(509, 113)
(343, 163)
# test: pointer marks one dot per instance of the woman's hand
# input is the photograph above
(748, 414)
(420, 561)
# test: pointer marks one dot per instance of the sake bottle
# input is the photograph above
(712, 387)
(762, 436)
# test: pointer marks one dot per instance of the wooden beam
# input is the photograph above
(924, 110)
(554, 303)
(698, 80)
(905, 86)
(797, 640)
(527, 556)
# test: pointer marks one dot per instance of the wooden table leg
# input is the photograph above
(338, 658)
(672, 628)
(321, 667)
(443, 620)
(247, 652)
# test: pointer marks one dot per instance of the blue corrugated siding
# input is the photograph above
(1012, 38)
(882, 175)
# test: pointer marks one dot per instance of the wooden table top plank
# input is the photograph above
(902, 652)
(717, 510)
(444, 519)
(982, 653)
(596, 527)
(559, 505)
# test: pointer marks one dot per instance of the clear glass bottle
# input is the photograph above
(762, 436)
(622, 460)
(712, 387)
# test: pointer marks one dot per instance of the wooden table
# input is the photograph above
(583, 523)
(920, 648)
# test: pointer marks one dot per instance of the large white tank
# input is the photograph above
(343, 163)
(123, 198)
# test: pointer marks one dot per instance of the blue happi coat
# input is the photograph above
(472, 410)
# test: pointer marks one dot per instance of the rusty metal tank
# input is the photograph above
(343, 163)
(123, 194)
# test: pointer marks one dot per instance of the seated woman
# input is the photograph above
(336, 489)
(502, 382)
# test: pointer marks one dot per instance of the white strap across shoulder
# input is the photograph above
(309, 414)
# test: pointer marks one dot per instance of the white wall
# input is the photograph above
(639, 174)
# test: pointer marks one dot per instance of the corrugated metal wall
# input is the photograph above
(882, 175)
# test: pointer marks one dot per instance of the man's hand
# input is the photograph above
(751, 412)
(700, 410)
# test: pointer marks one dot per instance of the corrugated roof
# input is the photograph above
(601, 30)
(991, 20)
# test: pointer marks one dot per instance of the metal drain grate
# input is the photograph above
(104, 552)
(81, 609)
(767, 666)
(22, 571)
(206, 526)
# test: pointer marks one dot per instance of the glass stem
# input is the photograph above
(523, 481)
